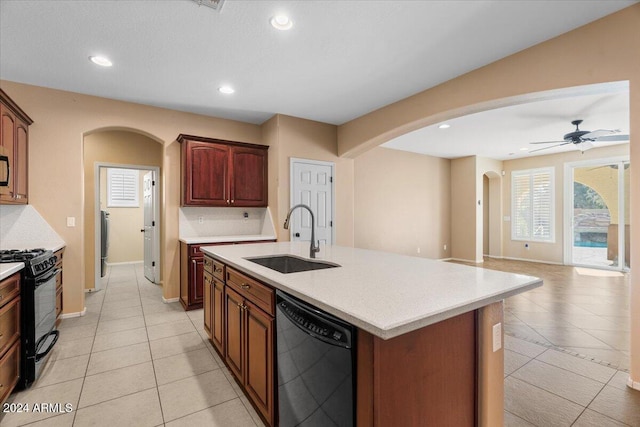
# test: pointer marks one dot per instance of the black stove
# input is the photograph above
(37, 261)
(38, 309)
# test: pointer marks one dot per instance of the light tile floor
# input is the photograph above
(567, 349)
(133, 360)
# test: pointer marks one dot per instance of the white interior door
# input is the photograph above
(149, 227)
(312, 185)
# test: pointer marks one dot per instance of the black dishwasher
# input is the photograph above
(316, 361)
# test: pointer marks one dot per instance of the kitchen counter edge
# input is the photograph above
(384, 333)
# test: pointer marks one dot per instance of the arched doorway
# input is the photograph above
(122, 149)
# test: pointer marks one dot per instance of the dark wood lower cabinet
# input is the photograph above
(243, 334)
(217, 315)
(234, 348)
(425, 377)
(259, 366)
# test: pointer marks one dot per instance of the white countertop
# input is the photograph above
(8, 269)
(382, 293)
(226, 239)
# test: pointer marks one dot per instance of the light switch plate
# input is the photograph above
(71, 221)
(497, 337)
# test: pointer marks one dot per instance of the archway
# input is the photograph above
(123, 147)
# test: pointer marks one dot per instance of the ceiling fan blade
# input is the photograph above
(585, 145)
(600, 133)
(553, 146)
(613, 138)
(547, 142)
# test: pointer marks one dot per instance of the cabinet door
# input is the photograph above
(20, 170)
(234, 348)
(208, 302)
(195, 282)
(7, 139)
(248, 177)
(217, 322)
(259, 351)
(206, 171)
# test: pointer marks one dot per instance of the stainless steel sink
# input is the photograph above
(291, 264)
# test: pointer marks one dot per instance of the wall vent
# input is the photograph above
(213, 4)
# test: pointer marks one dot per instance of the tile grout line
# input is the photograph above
(75, 413)
(569, 352)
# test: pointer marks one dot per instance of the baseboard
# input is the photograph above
(495, 256)
(170, 300)
(466, 260)
(532, 260)
(124, 263)
(633, 384)
(445, 259)
(76, 314)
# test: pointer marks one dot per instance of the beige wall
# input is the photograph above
(548, 252)
(293, 137)
(465, 210)
(614, 39)
(402, 203)
(126, 243)
(61, 119)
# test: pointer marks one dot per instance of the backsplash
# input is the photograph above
(211, 222)
(22, 227)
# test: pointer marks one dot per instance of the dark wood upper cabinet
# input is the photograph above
(223, 173)
(14, 149)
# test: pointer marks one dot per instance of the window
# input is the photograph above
(122, 188)
(532, 205)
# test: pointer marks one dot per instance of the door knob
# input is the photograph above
(297, 234)
(142, 230)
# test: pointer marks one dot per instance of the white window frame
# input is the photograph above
(552, 226)
(131, 202)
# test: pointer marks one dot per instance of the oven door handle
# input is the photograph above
(41, 280)
(39, 356)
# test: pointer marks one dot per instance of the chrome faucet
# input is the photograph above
(314, 247)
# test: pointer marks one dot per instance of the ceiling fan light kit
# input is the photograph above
(584, 139)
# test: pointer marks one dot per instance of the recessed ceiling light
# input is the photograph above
(226, 90)
(444, 126)
(101, 61)
(524, 149)
(281, 22)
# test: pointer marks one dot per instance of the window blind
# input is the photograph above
(122, 188)
(532, 205)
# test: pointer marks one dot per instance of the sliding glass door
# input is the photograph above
(597, 214)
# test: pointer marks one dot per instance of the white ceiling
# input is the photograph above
(506, 133)
(341, 59)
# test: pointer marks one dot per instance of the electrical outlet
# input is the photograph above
(200, 220)
(445, 247)
(418, 250)
(497, 337)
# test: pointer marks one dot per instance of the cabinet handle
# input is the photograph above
(245, 286)
(232, 201)
(227, 201)
(217, 270)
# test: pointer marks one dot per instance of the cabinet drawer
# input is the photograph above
(59, 280)
(9, 370)
(9, 324)
(208, 265)
(218, 270)
(9, 288)
(261, 295)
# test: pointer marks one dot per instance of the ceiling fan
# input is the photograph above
(584, 138)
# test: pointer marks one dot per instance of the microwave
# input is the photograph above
(4, 171)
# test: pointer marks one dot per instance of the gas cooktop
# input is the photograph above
(37, 261)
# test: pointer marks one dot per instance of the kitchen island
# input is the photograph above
(426, 350)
